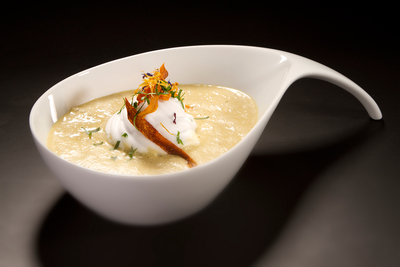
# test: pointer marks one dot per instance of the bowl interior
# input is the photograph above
(258, 72)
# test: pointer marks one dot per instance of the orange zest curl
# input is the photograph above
(153, 135)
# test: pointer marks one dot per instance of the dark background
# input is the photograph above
(321, 188)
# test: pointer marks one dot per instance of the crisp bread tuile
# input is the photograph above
(153, 135)
(163, 71)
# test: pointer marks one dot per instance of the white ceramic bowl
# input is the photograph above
(264, 74)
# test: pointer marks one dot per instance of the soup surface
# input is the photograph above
(223, 116)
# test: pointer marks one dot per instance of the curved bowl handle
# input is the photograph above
(302, 67)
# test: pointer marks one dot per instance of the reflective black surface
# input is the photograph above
(320, 188)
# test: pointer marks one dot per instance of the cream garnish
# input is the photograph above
(169, 119)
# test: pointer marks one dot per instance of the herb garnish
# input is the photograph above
(119, 112)
(178, 139)
(124, 135)
(203, 118)
(91, 132)
(179, 97)
(134, 119)
(116, 145)
(98, 144)
(130, 154)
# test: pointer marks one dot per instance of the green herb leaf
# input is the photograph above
(203, 118)
(178, 139)
(98, 144)
(145, 98)
(88, 132)
(116, 145)
(134, 118)
(125, 135)
(123, 106)
(179, 96)
(130, 154)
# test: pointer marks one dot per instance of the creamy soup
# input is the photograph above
(223, 116)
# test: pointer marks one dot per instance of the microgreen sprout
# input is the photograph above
(202, 118)
(179, 97)
(119, 112)
(90, 132)
(134, 119)
(178, 139)
(116, 145)
(130, 154)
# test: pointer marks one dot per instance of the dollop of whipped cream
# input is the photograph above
(169, 119)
